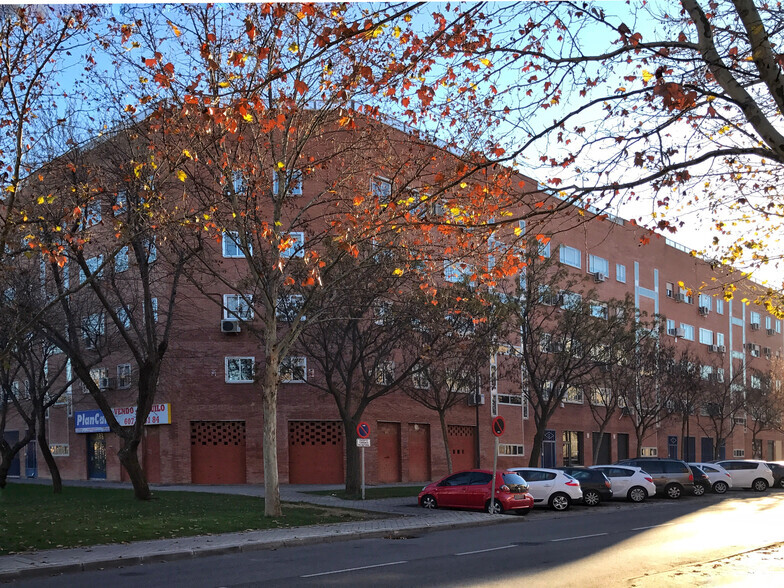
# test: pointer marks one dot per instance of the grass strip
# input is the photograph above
(374, 493)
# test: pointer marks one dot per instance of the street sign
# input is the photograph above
(498, 426)
(363, 442)
(363, 430)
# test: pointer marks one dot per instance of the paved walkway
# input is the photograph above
(407, 518)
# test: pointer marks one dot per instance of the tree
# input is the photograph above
(722, 406)
(764, 405)
(566, 334)
(682, 379)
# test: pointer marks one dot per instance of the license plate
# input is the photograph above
(520, 496)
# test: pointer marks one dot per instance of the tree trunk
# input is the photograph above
(51, 463)
(536, 447)
(640, 436)
(129, 458)
(270, 449)
(445, 435)
(7, 454)
(353, 466)
(598, 446)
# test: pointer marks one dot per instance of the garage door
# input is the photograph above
(218, 452)
(315, 452)
(388, 453)
(418, 452)
(462, 444)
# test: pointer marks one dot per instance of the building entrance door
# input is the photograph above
(548, 449)
(96, 456)
(31, 461)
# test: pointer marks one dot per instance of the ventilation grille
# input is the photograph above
(315, 433)
(217, 433)
(460, 431)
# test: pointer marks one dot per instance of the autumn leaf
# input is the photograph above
(300, 86)
(181, 175)
(175, 29)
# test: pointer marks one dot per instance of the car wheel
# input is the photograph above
(429, 501)
(720, 487)
(496, 507)
(781, 483)
(699, 489)
(760, 485)
(559, 501)
(591, 497)
(673, 491)
(637, 494)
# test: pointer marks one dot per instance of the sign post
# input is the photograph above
(498, 430)
(363, 440)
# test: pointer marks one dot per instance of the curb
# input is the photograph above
(41, 570)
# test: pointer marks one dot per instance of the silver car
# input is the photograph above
(551, 487)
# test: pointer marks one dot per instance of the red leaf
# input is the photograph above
(300, 87)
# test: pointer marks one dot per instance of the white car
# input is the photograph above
(552, 487)
(748, 473)
(628, 481)
(720, 479)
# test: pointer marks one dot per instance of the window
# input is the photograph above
(705, 372)
(705, 301)
(240, 370)
(288, 307)
(294, 183)
(547, 345)
(121, 260)
(293, 369)
(456, 271)
(670, 327)
(570, 256)
(754, 319)
(572, 448)
(706, 336)
(777, 325)
(420, 380)
(598, 264)
(547, 390)
(154, 304)
(237, 306)
(685, 295)
(381, 188)
(124, 375)
(91, 215)
(738, 453)
(544, 249)
(719, 306)
(768, 323)
(124, 318)
(295, 245)
(93, 264)
(521, 228)
(385, 373)
(100, 376)
(120, 202)
(511, 399)
(620, 272)
(599, 310)
(511, 449)
(238, 183)
(92, 329)
(670, 290)
(688, 332)
(755, 381)
(573, 395)
(462, 323)
(720, 339)
(547, 296)
(570, 300)
(231, 244)
(149, 248)
(382, 311)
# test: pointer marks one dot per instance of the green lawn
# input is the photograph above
(32, 517)
(373, 493)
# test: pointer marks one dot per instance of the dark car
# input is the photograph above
(702, 482)
(596, 486)
(778, 473)
(671, 476)
(471, 489)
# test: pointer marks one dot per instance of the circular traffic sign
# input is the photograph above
(498, 426)
(363, 430)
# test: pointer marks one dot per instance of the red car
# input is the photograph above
(471, 489)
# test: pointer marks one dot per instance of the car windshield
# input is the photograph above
(515, 482)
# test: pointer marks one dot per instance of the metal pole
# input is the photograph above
(492, 482)
(363, 473)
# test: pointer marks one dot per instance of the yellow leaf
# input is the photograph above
(518, 231)
(463, 184)
(10, 189)
(175, 29)
(187, 154)
(40, 200)
(294, 48)
(486, 62)
(248, 117)
(646, 75)
(281, 165)
(223, 84)
(398, 272)
(181, 175)
(396, 31)
(681, 284)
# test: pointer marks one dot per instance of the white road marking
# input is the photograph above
(578, 537)
(392, 563)
(653, 526)
(486, 550)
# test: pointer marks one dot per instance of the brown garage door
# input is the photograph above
(462, 444)
(388, 453)
(218, 452)
(315, 452)
(418, 452)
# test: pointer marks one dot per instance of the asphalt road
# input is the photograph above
(616, 544)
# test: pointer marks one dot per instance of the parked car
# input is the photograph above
(551, 487)
(671, 476)
(778, 473)
(471, 489)
(594, 484)
(701, 481)
(628, 481)
(748, 473)
(720, 479)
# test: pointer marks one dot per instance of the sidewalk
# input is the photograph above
(407, 519)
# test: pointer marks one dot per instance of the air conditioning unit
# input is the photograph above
(771, 331)
(106, 383)
(704, 310)
(230, 326)
(680, 332)
(755, 326)
(476, 399)
(713, 348)
(625, 411)
(682, 297)
(599, 277)
(672, 332)
(767, 352)
(721, 348)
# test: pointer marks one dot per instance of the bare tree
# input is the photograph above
(723, 406)
(765, 405)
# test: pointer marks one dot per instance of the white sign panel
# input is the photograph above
(363, 442)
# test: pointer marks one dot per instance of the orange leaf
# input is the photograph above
(300, 86)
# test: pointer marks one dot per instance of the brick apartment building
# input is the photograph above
(207, 424)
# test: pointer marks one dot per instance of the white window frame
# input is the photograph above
(706, 301)
(719, 306)
(381, 188)
(150, 249)
(288, 306)
(777, 325)
(120, 203)
(419, 379)
(121, 260)
(620, 273)
(719, 339)
(574, 395)
(230, 244)
(755, 381)
(570, 256)
(688, 331)
(456, 271)
(238, 306)
(385, 373)
(93, 327)
(600, 309)
(242, 363)
(93, 263)
(294, 183)
(124, 374)
(296, 248)
(738, 453)
(511, 449)
(124, 317)
(597, 264)
(91, 215)
(291, 367)
(706, 336)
